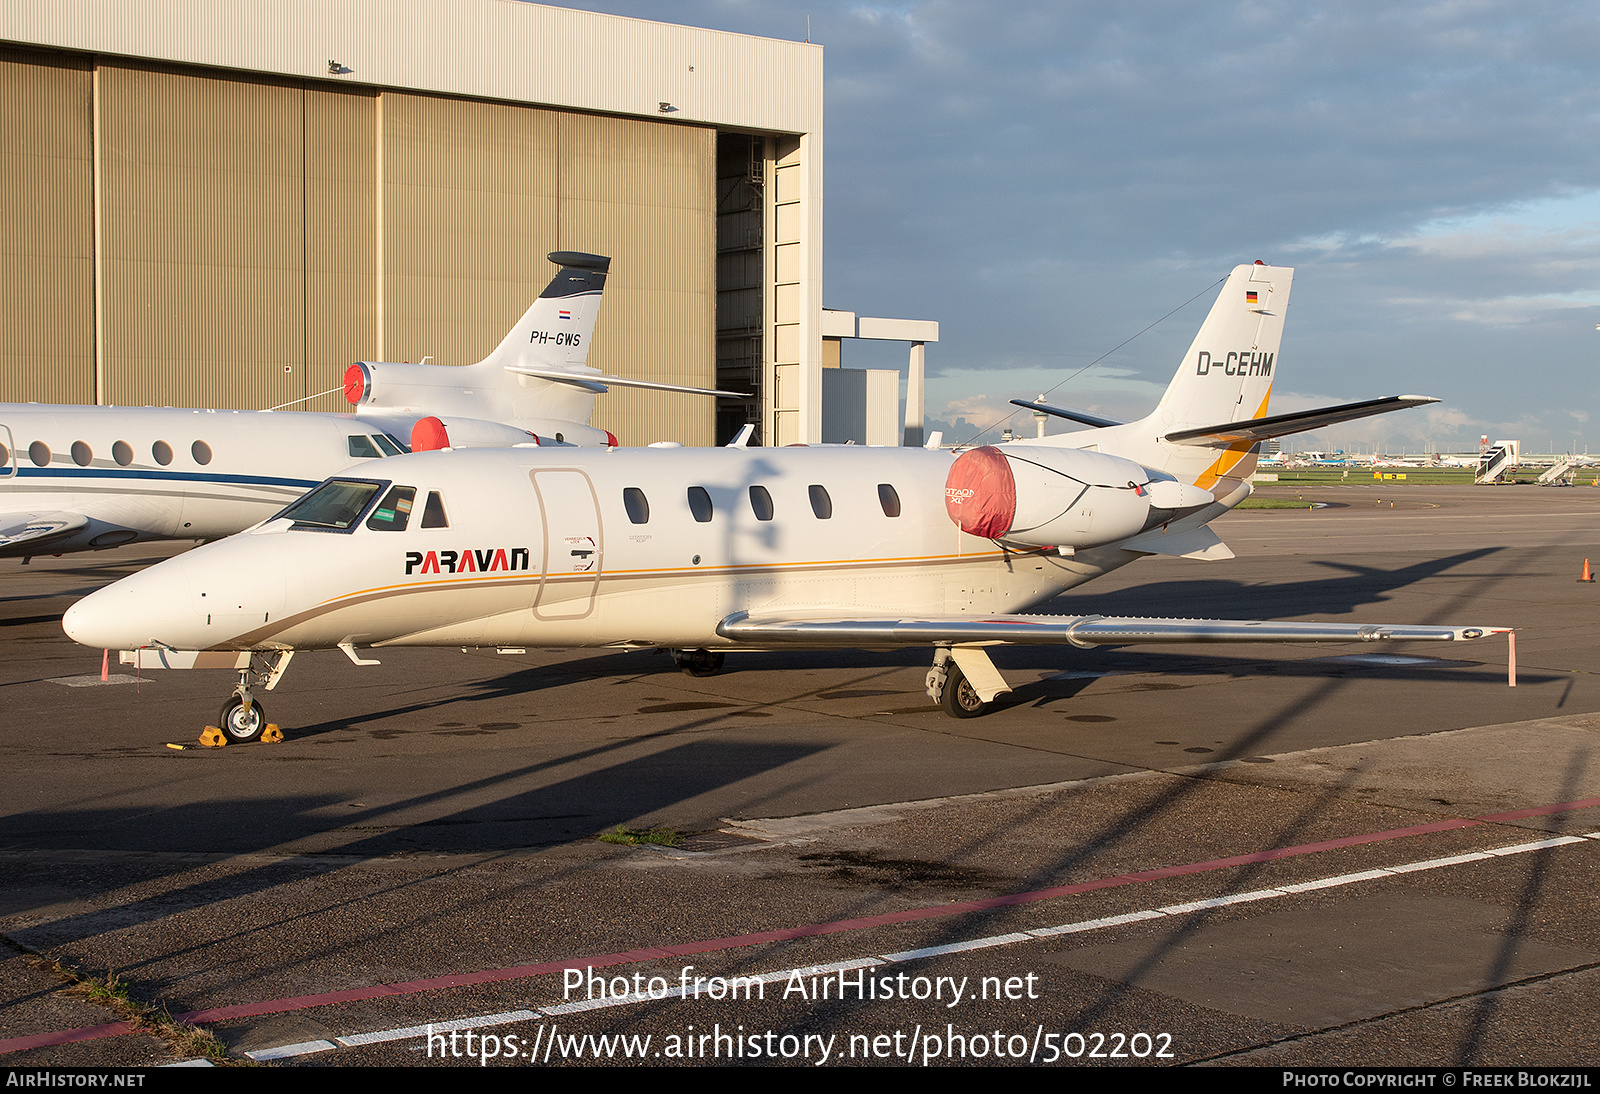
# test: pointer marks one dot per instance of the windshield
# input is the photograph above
(336, 505)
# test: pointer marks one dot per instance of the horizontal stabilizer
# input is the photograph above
(1083, 631)
(1282, 425)
(38, 528)
(596, 382)
(1083, 417)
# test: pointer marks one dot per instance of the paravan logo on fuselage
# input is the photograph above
(467, 562)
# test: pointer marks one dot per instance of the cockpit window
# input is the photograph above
(390, 446)
(433, 512)
(335, 506)
(394, 510)
(362, 448)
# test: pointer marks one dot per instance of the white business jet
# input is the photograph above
(703, 551)
(75, 478)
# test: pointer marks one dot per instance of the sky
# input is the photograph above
(1047, 180)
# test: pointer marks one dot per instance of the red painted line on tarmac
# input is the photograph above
(64, 1037)
(1539, 811)
(785, 934)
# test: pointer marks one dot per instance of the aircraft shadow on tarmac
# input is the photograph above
(530, 813)
(1355, 588)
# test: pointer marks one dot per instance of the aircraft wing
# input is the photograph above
(36, 529)
(1083, 631)
(1083, 417)
(1282, 425)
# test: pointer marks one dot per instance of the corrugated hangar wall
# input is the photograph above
(47, 242)
(253, 236)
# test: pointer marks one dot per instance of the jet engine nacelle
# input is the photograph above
(402, 385)
(471, 401)
(1038, 496)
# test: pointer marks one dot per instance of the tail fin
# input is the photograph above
(553, 334)
(1227, 374)
(556, 329)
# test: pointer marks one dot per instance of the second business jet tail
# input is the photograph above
(536, 379)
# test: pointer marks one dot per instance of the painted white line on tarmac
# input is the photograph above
(1033, 934)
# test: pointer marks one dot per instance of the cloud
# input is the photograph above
(1045, 179)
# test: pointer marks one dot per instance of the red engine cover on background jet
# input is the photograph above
(429, 435)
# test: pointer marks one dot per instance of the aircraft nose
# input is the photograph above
(193, 602)
(116, 617)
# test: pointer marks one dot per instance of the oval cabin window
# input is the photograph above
(39, 453)
(700, 503)
(162, 451)
(122, 452)
(82, 454)
(637, 505)
(821, 503)
(761, 502)
(201, 452)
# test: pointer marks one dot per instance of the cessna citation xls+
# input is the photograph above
(702, 551)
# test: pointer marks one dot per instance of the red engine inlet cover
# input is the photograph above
(355, 384)
(429, 435)
(980, 494)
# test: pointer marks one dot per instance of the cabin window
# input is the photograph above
(700, 503)
(201, 452)
(821, 504)
(162, 451)
(5, 455)
(122, 452)
(433, 512)
(761, 502)
(889, 500)
(335, 506)
(362, 448)
(39, 453)
(637, 505)
(82, 454)
(394, 510)
(390, 446)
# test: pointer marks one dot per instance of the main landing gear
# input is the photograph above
(965, 689)
(242, 717)
(698, 662)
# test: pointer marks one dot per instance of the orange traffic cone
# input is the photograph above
(1587, 576)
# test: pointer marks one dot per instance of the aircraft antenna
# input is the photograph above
(307, 399)
(1102, 357)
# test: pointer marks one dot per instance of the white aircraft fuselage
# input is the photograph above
(147, 473)
(541, 550)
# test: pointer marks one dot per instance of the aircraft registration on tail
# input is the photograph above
(708, 551)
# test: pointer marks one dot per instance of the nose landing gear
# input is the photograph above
(242, 719)
(241, 716)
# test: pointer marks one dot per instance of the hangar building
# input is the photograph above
(225, 202)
